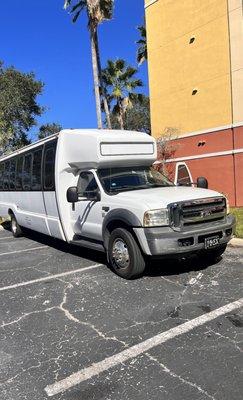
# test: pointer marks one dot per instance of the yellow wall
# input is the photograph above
(236, 51)
(177, 67)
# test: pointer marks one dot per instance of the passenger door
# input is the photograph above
(87, 215)
(49, 193)
(183, 176)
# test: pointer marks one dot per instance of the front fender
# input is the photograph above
(119, 214)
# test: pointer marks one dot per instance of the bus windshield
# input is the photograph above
(115, 180)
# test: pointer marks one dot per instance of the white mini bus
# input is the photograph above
(97, 189)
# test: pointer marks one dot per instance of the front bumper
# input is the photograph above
(159, 241)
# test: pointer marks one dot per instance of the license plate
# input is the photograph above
(211, 242)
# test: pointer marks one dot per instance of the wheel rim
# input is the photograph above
(120, 254)
(14, 226)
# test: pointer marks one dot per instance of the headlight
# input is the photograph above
(227, 205)
(156, 218)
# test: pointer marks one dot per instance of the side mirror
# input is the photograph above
(202, 182)
(72, 194)
(93, 195)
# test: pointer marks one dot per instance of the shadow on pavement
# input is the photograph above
(174, 266)
(159, 267)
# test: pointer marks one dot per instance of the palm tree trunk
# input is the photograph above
(121, 115)
(93, 31)
(106, 107)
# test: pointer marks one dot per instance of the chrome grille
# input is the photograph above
(193, 212)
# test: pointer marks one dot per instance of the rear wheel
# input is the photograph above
(124, 254)
(214, 254)
(15, 228)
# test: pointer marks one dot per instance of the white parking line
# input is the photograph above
(140, 348)
(7, 237)
(23, 251)
(49, 277)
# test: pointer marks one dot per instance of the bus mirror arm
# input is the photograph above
(72, 195)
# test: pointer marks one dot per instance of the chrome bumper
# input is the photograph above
(161, 241)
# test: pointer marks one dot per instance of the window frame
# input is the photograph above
(80, 194)
(2, 168)
(12, 160)
(179, 164)
(29, 153)
(52, 145)
(35, 150)
(5, 162)
(21, 173)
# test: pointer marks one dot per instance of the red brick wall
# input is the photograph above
(224, 173)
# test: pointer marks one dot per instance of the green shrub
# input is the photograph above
(238, 212)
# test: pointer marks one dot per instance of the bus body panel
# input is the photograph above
(70, 154)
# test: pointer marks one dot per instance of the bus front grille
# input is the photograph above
(194, 212)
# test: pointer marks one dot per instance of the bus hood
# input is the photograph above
(160, 197)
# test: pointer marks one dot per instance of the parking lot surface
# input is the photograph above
(71, 329)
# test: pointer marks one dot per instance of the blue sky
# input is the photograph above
(39, 36)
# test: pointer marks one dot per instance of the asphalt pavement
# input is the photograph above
(71, 329)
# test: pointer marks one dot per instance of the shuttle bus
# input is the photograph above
(98, 189)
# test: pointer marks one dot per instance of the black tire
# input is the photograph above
(132, 258)
(214, 254)
(15, 228)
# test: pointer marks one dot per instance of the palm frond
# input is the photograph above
(121, 84)
(142, 52)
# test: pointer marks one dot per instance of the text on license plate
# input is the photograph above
(211, 242)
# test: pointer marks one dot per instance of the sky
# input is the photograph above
(39, 36)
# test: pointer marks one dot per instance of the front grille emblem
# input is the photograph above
(206, 213)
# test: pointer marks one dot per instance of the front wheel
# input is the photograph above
(15, 228)
(124, 254)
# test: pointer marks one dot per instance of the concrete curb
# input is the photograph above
(236, 242)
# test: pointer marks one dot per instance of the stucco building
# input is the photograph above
(195, 60)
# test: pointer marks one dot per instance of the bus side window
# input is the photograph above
(12, 174)
(1, 175)
(18, 182)
(49, 168)
(36, 170)
(86, 183)
(6, 176)
(27, 172)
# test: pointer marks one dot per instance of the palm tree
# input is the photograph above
(97, 12)
(142, 52)
(120, 87)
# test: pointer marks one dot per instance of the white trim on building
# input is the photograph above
(206, 155)
(150, 3)
(211, 130)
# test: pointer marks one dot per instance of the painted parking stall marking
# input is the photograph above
(24, 250)
(140, 348)
(49, 277)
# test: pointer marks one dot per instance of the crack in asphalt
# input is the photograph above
(71, 317)
(180, 378)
